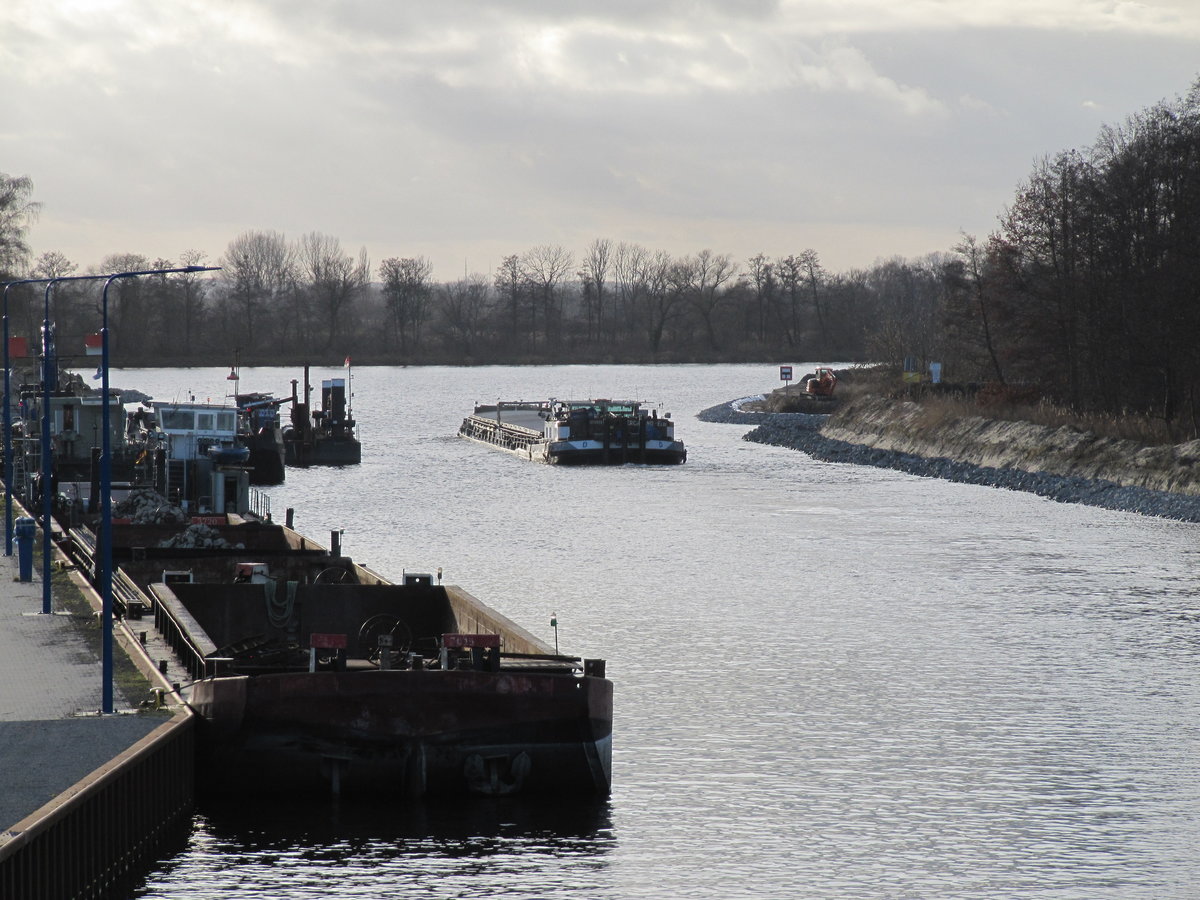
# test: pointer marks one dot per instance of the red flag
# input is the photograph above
(347, 362)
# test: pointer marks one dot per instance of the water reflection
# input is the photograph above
(570, 826)
(298, 849)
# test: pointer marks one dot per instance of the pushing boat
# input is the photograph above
(327, 436)
(577, 432)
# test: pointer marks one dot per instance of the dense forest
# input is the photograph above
(1087, 292)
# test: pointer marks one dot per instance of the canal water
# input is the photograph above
(831, 681)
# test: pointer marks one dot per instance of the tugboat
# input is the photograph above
(261, 434)
(259, 431)
(328, 436)
(577, 432)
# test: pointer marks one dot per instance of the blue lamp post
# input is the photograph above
(47, 454)
(49, 378)
(8, 451)
(106, 484)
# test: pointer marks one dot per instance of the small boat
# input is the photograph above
(260, 432)
(229, 456)
(577, 432)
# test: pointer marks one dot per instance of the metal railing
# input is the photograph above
(260, 504)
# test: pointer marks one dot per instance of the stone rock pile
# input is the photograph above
(145, 506)
(798, 431)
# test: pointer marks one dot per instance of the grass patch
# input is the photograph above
(946, 403)
(66, 596)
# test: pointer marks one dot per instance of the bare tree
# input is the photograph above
(545, 266)
(70, 302)
(128, 309)
(661, 296)
(406, 291)
(594, 277)
(790, 272)
(332, 280)
(700, 279)
(53, 264)
(16, 213)
(629, 280)
(972, 277)
(192, 292)
(258, 270)
(761, 275)
(813, 275)
(908, 310)
(463, 307)
(512, 286)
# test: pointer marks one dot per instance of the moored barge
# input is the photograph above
(575, 432)
(313, 673)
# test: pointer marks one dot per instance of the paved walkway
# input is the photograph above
(51, 733)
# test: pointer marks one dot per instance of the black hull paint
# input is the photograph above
(409, 734)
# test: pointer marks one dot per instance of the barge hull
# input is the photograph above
(406, 733)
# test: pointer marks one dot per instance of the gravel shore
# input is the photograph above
(800, 431)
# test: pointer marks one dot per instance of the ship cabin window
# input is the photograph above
(185, 421)
(178, 420)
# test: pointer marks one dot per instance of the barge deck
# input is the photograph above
(312, 673)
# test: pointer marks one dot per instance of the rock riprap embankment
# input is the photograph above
(1062, 464)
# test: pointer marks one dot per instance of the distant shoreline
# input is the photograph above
(801, 431)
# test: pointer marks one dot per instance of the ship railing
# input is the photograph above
(260, 504)
(128, 599)
(511, 437)
(182, 632)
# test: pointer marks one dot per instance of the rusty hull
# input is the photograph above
(406, 733)
(529, 721)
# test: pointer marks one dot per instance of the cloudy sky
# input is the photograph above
(465, 132)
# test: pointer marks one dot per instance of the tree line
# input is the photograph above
(1086, 293)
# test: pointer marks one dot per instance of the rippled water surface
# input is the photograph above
(830, 681)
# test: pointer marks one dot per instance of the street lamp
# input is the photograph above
(8, 454)
(48, 377)
(106, 484)
(105, 457)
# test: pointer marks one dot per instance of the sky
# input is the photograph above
(465, 131)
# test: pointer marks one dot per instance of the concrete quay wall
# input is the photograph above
(90, 801)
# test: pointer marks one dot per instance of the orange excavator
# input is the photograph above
(820, 384)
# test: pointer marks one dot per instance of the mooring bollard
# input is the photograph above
(24, 532)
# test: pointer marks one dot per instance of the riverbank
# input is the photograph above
(873, 440)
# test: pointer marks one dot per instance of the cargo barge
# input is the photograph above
(577, 432)
(311, 673)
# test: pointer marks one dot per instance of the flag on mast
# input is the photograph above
(347, 362)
